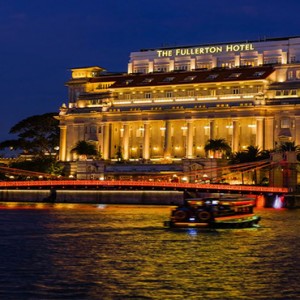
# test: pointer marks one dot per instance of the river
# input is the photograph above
(65, 251)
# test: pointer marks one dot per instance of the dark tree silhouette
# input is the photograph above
(85, 149)
(36, 135)
(217, 145)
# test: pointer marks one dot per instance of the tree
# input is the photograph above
(217, 145)
(251, 154)
(85, 149)
(37, 135)
(41, 164)
(288, 147)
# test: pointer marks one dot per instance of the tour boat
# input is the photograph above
(214, 213)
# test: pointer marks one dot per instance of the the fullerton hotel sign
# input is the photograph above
(205, 50)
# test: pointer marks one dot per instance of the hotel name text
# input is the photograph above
(205, 50)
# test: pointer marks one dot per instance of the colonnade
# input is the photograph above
(264, 137)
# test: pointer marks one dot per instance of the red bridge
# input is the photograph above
(139, 185)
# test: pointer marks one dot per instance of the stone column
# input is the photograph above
(100, 138)
(235, 135)
(168, 139)
(269, 133)
(63, 142)
(212, 129)
(125, 141)
(260, 133)
(146, 144)
(189, 139)
(106, 139)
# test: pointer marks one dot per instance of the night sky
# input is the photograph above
(42, 39)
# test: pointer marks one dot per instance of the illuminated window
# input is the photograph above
(297, 74)
(212, 92)
(161, 69)
(182, 67)
(272, 60)
(204, 65)
(290, 75)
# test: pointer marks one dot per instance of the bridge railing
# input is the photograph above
(146, 184)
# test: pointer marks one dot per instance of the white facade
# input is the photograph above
(246, 53)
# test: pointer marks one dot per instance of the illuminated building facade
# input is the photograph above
(172, 101)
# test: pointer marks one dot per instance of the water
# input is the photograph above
(123, 252)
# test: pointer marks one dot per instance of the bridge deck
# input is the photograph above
(151, 185)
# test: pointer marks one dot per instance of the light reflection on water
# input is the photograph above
(123, 252)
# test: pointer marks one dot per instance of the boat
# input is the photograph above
(217, 213)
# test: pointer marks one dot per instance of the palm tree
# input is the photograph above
(251, 154)
(217, 146)
(288, 147)
(85, 149)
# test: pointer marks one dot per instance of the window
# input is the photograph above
(290, 75)
(286, 92)
(148, 95)
(272, 60)
(127, 96)
(258, 74)
(235, 90)
(285, 123)
(168, 79)
(203, 65)
(297, 74)
(294, 92)
(212, 76)
(141, 70)
(128, 81)
(235, 75)
(169, 94)
(212, 92)
(182, 67)
(189, 78)
(161, 68)
(147, 80)
(190, 93)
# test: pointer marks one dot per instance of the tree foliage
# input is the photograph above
(36, 135)
(217, 145)
(45, 164)
(84, 148)
(251, 154)
(288, 147)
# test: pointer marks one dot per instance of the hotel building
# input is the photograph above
(172, 101)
